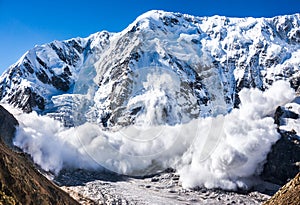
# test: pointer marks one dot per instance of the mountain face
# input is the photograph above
(194, 66)
(49, 70)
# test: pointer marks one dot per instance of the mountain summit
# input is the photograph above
(110, 78)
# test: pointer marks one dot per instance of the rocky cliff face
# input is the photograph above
(7, 127)
(105, 78)
(283, 162)
(20, 182)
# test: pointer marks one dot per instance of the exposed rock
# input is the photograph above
(288, 194)
(7, 126)
(20, 182)
(283, 161)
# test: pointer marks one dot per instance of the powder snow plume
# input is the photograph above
(215, 152)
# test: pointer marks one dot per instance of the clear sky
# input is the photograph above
(25, 23)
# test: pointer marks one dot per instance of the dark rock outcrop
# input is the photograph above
(7, 126)
(283, 162)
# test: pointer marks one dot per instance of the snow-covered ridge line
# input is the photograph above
(213, 58)
(48, 70)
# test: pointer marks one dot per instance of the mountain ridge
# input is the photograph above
(232, 52)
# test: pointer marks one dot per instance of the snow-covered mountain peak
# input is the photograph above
(213, 58)
(154, 14)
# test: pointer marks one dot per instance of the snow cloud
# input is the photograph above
(212, 152)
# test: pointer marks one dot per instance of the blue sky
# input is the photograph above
(26, 23)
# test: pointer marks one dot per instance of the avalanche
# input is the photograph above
(220, 151)
(171, 90)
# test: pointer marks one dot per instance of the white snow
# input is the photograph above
(211, 152)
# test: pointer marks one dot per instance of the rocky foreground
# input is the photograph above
(288, 194)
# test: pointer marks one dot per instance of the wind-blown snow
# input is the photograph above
(212, 152)
(246, 138)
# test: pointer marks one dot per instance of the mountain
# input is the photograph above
(110, 78)
(168, 72)
(20, 181)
